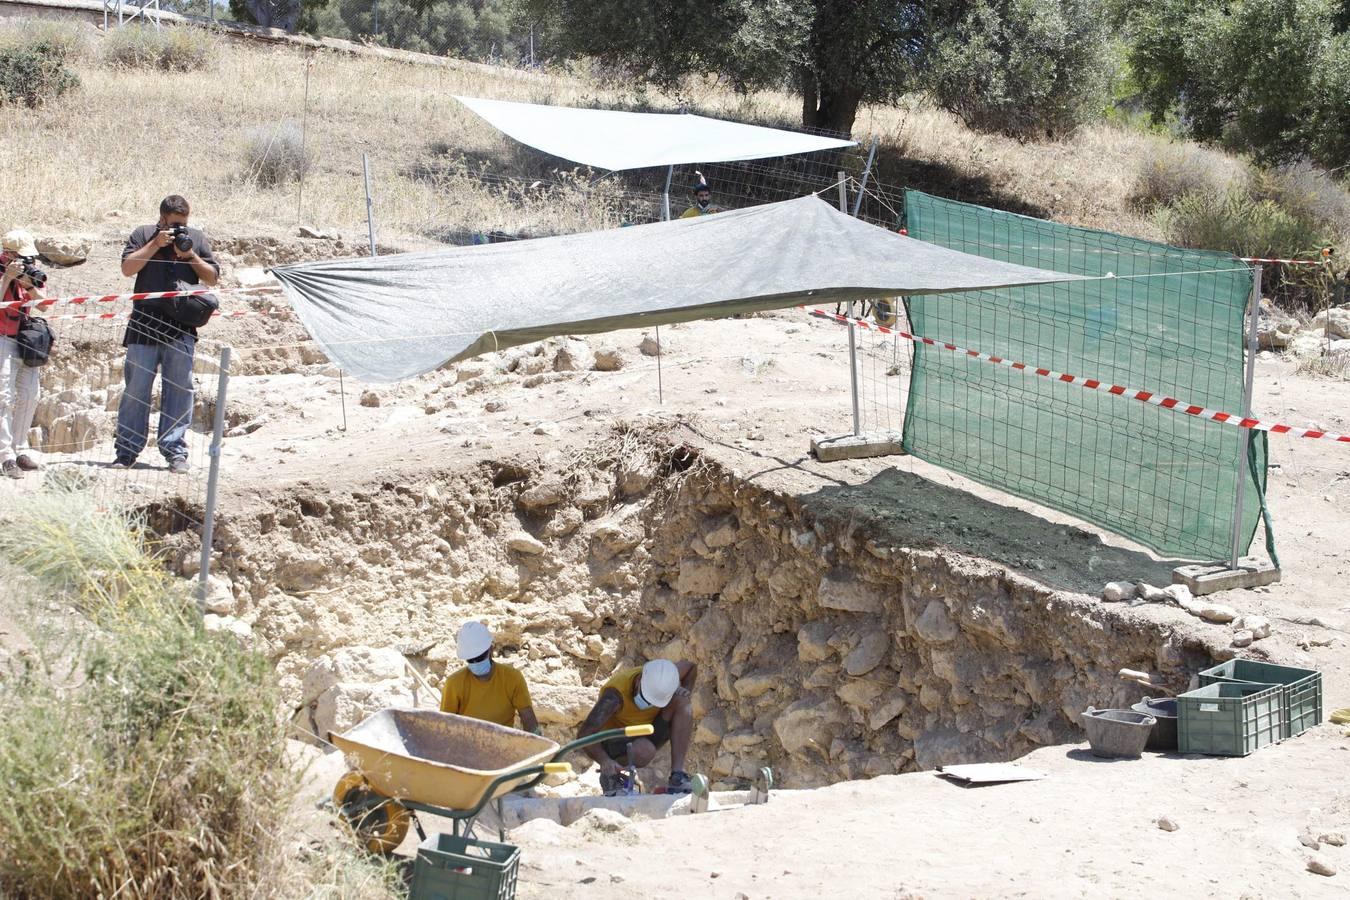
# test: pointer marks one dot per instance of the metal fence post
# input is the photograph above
(862, 182)
(370, 204)
(852, 331)
(1245, 440)
(213, 478)
(665, 196)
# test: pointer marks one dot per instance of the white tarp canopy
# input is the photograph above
(615, 140)
(387, 318)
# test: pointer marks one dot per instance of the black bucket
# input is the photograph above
(1163, 737)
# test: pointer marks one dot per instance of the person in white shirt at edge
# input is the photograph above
(22, 281)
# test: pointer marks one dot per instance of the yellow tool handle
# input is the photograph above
(638, 730)
(558, 768)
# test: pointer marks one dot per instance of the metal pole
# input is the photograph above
(531, 46)
(665, 217)
(376, 26)
(867, 172)
(1245, 440)
(370, 204)
(852, 332)
(213, 478)
(304, 126)
(665, 196)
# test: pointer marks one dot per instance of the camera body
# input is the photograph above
(36, 276)
(182, 241)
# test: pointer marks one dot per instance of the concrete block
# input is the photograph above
(516, 810)
(1207, 579)
(859, 446)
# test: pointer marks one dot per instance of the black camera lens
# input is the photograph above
(35, 275)
(181, 239)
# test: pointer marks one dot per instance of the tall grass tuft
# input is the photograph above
(80, 549)
(173, 49)
(277, 156)
(161, 771)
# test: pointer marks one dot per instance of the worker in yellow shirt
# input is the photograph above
(703, 200)
(656, 694)
(484, 689)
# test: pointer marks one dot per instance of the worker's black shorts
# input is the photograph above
(618, 747)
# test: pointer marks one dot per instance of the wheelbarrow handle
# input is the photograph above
(631, 731)
(607, 735)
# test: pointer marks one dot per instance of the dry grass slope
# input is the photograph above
(131, 135)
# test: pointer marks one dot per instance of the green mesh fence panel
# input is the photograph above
(1164, 479)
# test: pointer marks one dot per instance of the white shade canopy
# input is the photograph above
(615, 140)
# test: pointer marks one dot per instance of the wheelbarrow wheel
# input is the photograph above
(379, 822)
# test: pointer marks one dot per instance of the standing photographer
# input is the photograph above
(21, 282)
(166, 256)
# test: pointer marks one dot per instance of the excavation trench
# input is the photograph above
(825, 649)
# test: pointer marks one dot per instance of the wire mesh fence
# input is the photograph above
(130, 422)
(1167, 321)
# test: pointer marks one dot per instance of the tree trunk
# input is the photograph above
(827, 107)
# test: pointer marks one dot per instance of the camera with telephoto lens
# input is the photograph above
(35, 276)
(181, 239)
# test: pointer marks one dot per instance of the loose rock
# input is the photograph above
(1116, 591)
(1259, 626)
(1319, 866)
(1166, 823)
(370, 398)
(70, 250)
(1243, 638)
(608, 359)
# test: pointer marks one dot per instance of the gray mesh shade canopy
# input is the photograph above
(388, 318)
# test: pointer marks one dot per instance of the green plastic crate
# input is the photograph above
(1302, 688)
(1230, 718)
(456, 868)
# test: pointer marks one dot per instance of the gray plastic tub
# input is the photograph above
(1117, 733)
(1163, 737)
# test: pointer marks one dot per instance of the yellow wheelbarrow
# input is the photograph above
(407, 761)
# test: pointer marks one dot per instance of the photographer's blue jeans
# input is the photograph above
(173, 362)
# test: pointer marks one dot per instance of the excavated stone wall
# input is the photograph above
(824, 650)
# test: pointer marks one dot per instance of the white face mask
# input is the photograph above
(640, 701)
(482, 667)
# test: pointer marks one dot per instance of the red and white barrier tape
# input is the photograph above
(1092, 384)
(152, 295)
(70, 317)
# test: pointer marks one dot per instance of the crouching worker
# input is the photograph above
(485, 689)
(655, 694)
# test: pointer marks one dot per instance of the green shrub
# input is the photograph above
(1308, 193)
(1240, 223)
(169, 49)
(1176, 170)
(159, 768)
(275, 156)
(33, 73)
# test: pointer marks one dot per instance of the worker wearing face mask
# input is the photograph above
(486, 689)
(656, 694)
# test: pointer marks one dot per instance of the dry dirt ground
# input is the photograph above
(751, 393)
(1089, 829)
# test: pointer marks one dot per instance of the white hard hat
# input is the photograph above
(474, 640)
(20, 242)
(660, 678)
